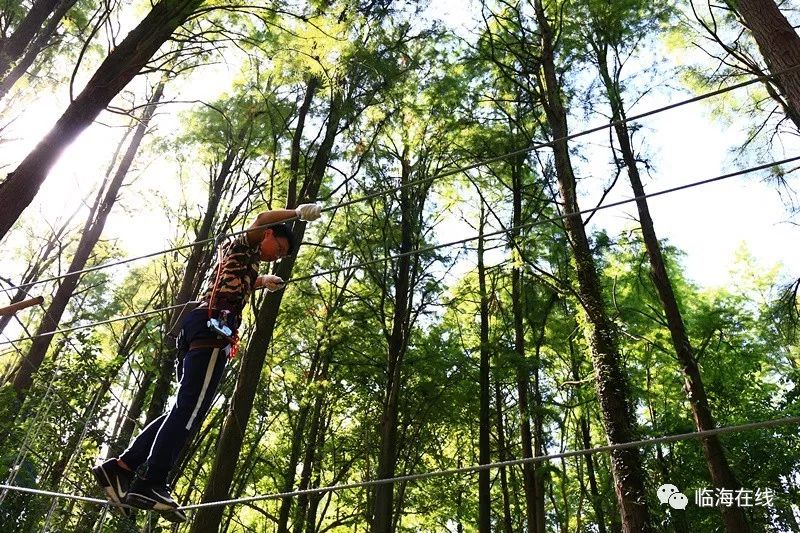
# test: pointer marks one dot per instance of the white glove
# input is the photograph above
(271, 283)
(308, 212)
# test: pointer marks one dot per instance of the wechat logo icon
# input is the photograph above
(670, 494)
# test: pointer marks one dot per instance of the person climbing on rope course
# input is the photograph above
(208, 335)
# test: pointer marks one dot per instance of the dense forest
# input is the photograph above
(458, 304)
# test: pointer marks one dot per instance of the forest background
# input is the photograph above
(392, 352)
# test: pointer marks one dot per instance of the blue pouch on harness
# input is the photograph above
(222, 324)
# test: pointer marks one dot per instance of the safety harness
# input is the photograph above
(218, 324)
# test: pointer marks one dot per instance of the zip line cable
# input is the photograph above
(101, 323)
(514, 462)
(443, 174)
(794, 420)
(447, 244)
(541, 222)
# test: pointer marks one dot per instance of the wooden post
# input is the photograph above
(19, 306)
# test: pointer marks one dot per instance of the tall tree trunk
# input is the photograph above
(721, 473)
(10, 76)
(296, 449)
(396, 349)
(677, 517)
(597, 502)
(508, 524)
(310, 458)
(532, 499)
(13, 47)
(612, 386)
(586, 442)
(538, 412)
(484, 455)
(232, 436)
(119, 68)
(777, 40)
(91, 234)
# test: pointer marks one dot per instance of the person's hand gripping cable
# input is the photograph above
(270, 282)
(308, 212)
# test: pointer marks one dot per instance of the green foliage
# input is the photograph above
(417, 102)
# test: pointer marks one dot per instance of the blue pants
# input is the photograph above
(199, 373)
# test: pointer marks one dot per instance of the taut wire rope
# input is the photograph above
(101, 323)
(443, 174)
(793, 420)
(542, 222)
(43, 406)
(90, 412)
(451, 243)
(23, 360)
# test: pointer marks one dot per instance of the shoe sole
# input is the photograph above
(172, 514)
(111, 494)
(175, 515)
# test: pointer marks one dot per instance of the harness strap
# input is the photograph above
(233, 341)
(208, 343)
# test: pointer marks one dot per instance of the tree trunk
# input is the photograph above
(91, 234)
(508, 524)
(721, 473)
(13, 47)
(310, 458)
(9, 77)
(532, 499)
(597, 502)
(230, 442)
(119, 68)
(396, 348)
(538, 413)
(484, 456)
(777, 41)
(294, 453)
(484, 479)
(612, 386)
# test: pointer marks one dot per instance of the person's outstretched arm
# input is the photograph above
(304, 212)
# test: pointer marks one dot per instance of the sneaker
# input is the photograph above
(175, 515)
(115, 481)
(144, 494)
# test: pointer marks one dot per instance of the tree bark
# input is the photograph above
(538, 413)
(10, 76)
(611, 383)
(119, 68)
(91, 234)
(721, 473)
(778, 42)
(597, 502)
(296, 449)
(508, 524)
(310, 457)
(522, 372)
(484, 455)
(396, 349)
(13, 47)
